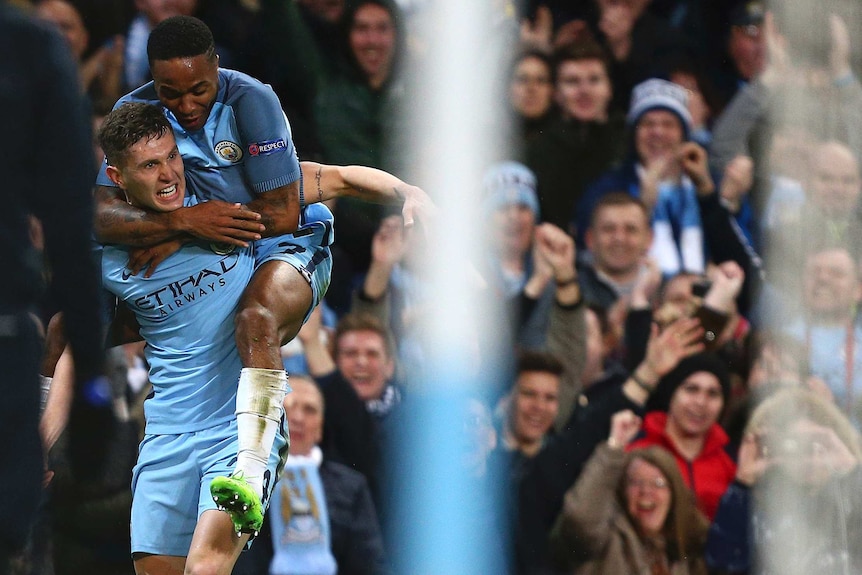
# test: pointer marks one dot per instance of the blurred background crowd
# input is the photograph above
(673, 226)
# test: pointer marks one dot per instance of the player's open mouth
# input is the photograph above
(167, 193)
(190, 122)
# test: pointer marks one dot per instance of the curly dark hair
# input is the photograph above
(128, 124)
(180, 37)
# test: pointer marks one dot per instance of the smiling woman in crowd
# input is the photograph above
(629, 513)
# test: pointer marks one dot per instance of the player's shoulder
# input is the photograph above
(235, 78)
(237, 85)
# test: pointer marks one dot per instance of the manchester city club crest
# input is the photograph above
(222, 249)
(229, 151)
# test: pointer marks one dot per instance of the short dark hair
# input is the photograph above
(585, 49)
(541, 361)
(128, 124)
(180, 37)
(616, 199)
(536, 54)
(358, 321)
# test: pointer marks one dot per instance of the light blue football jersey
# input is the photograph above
(186, 313)
(245, 147)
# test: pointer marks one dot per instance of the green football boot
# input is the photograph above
(235, 496)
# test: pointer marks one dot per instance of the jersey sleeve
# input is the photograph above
(271, 160)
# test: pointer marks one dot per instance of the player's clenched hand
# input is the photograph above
(150, 257)
(220, 222)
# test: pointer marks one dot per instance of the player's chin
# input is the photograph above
(192, 123)
(167, 205)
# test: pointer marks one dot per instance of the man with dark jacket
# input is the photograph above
(45, 161)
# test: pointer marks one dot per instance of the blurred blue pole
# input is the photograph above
(457, 122)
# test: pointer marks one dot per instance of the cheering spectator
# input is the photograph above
(629, 513)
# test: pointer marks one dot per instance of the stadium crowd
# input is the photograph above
(674, 226)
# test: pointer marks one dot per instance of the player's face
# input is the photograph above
(187, 87)
(362, 359)
(304, 409)
(152, 174)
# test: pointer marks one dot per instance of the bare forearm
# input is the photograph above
(278, 209)
(56, 414)
(377, 280)
(324, 182)
(640, 383)
(118, 222)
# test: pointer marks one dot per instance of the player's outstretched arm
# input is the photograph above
(324, 182)
(118, 222)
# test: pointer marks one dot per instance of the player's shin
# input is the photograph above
(258, 413)
(259, 407)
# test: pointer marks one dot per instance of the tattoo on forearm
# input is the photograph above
(121, 217)
(267, 220)
(317, 179)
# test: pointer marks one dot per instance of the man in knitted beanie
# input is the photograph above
(667, 386)
(682, 417)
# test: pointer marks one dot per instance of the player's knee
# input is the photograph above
(212, 565)
(56, 329)
(257, 322)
